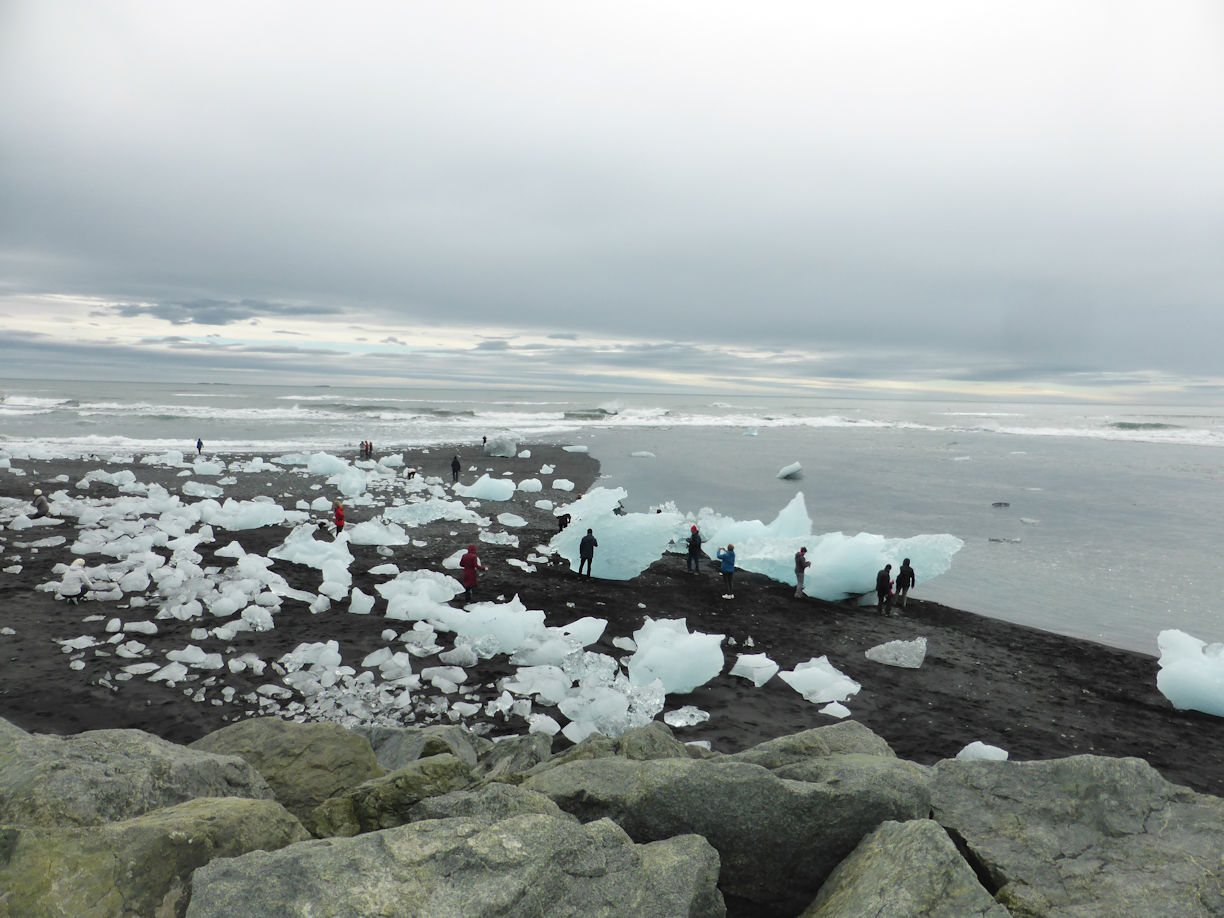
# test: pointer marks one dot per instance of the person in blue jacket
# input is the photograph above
(727, 557)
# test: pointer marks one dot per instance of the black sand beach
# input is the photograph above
(1035, 694)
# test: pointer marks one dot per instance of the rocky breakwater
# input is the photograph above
(268, 817)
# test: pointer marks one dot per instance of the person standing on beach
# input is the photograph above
(727, 557)
(801, 566)
(339, 517)
(883, 588)
(905, 580)
(455, 466)
(692, 563)
(470, 564)
(41, 507)
(199, 447)
(586, 552)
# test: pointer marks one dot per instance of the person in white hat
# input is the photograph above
(76, 583)
(41, 507)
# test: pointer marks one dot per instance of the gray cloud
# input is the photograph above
(1029, 195)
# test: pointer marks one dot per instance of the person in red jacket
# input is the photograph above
(339, 517)
(470, 564)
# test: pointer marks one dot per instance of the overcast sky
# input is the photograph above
(982, 197)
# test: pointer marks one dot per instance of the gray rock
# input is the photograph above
(778, 839)
(530, 866)
(1085, 835)
(396, 747)
(492, 802)
(104, 775)
(303, 763)
(845, 737)
(136, 867)
(904, 870)
(654, 741)
(513, 757)
(385, 802)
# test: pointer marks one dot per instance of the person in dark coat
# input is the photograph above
(692, 563)
(905, 580)
(586, 552)
(883, 588)
(801, 566)
(41, 507)
(470, 564)
(455, 469)
(199, 447)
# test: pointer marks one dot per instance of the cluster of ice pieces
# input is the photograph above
(148, 540)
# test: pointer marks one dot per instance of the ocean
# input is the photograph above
(1094, 521)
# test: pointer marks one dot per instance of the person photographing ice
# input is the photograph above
(727, 558)
(801, 566)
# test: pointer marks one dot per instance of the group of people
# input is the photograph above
(885, 586)
(367, 449)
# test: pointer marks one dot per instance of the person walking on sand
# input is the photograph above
(801, 566)
(727, 557)
(905, 580)
(586, 552)
(199, 447)
(41, 507)
(339, 517)
(470, 564)
(455, 469)
(883, 588)
(692, 562)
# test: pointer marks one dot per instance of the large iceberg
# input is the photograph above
(628, 542)
(842, 565)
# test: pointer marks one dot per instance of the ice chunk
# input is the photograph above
(501, 444)
(531, 486)
(819, 681)
(906, 654)
(1191, 672)
(980, 751)
(486, 488)
(756, 667)
(836, 709)
(360, 603)
(628, 543)
(687, 716)
(680, 660)
(794, 470)
(562, 484)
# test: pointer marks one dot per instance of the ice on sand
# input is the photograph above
(756, 667)
(819, 681)
(906, 654)
(628, 543)
(486, 488)
(1191, 672)
(681, 660)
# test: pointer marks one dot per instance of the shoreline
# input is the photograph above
(1036, 694)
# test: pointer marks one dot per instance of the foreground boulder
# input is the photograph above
(395, 747)
(104, 775)
(905, 870)
(136, 867)
(1086, 835)
(778, 839)
(529, 866)
(385, 802)
(303, 763)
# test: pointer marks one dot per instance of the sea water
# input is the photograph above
(1110, 528)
